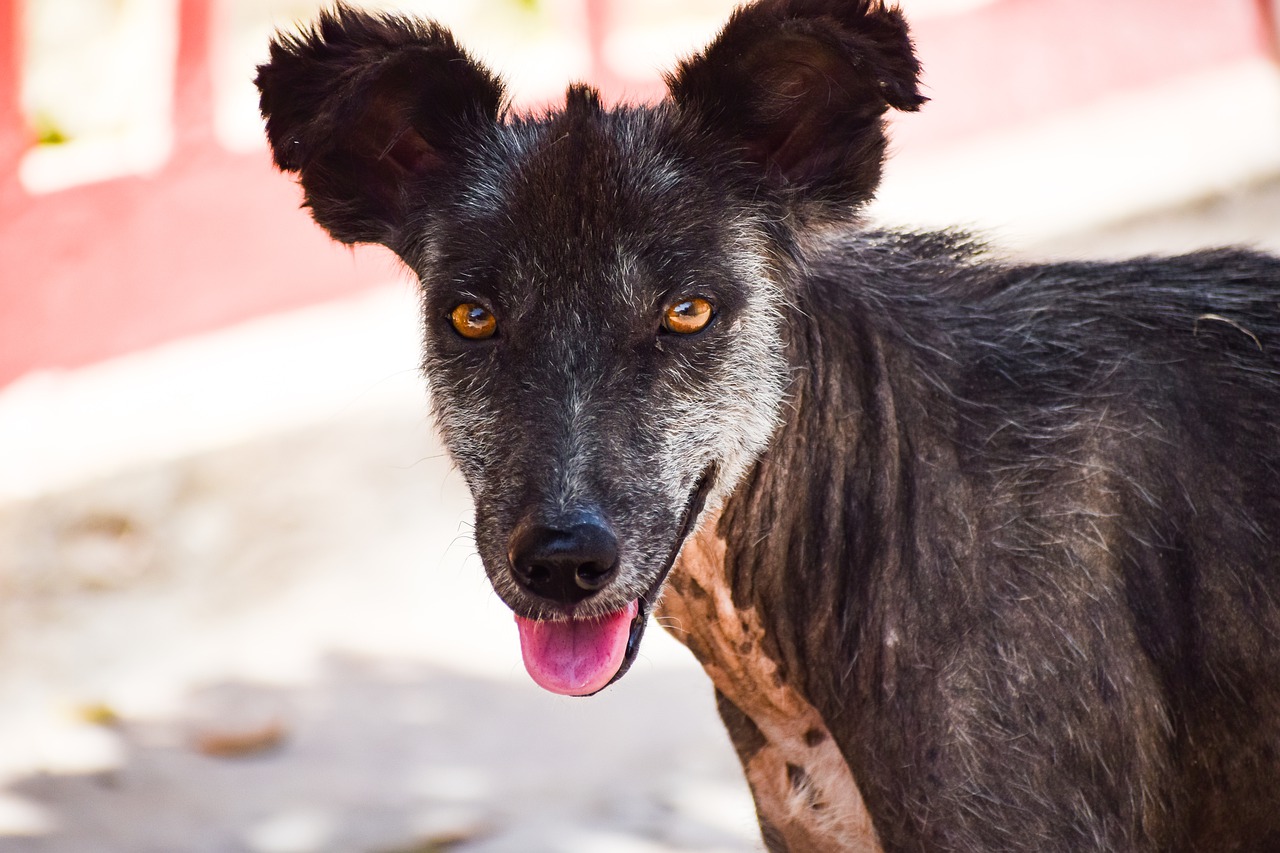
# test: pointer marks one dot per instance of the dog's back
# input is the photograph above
(979, 556)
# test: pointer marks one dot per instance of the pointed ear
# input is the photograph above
(370, 110)
(798, 88)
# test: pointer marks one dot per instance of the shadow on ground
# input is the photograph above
(393, 757)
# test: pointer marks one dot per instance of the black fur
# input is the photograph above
(371, 111)
(798, 87)
(1058, 486)
(1013, 530)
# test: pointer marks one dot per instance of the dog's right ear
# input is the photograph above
(371, 110)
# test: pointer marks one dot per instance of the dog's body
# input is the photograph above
(979, 556)
(1015, 547)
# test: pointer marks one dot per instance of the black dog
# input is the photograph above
(992, 549)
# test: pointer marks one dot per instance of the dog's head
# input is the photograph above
(603, 288)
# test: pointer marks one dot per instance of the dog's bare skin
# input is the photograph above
(805, 794)
(980, 556)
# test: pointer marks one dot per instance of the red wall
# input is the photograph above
(215, 237)
(106, 268)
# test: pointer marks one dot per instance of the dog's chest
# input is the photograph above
(802, 785)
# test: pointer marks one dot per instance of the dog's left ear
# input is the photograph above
(798, 89)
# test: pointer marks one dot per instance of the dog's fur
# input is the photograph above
(992, 548)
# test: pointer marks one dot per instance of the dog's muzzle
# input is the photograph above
(567, 563)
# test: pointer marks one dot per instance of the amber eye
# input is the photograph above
(687, 316)
(474, 322)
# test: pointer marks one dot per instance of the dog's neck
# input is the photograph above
(782, 576)
(828, 510)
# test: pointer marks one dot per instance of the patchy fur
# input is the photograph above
(806, 797)
(985, 553)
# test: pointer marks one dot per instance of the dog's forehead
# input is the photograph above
(581, 200)
(583, 166)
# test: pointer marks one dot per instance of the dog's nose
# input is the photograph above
(566, 562)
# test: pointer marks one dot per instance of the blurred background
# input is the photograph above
(239, 604)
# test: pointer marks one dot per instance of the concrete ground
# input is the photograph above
(265, 630)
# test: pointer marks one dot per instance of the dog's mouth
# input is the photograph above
(580, 657)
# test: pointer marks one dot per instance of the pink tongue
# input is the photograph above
(579, 656)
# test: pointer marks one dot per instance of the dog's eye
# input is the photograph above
(474, 322)
(687, 316)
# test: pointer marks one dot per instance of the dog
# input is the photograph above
(979, 555)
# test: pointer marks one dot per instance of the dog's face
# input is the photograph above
(603, 290)
(619, 362)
